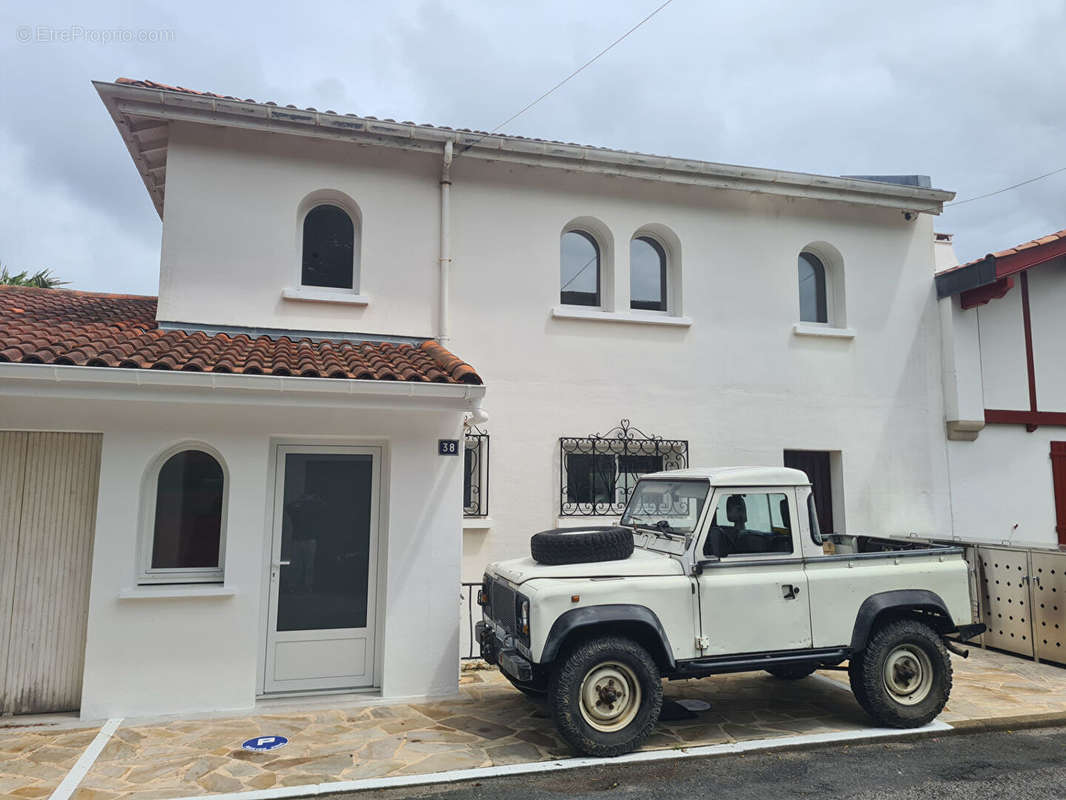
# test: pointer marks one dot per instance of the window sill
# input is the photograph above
(818, 329)
(312, 295)
(641, 317)
(175, 591)
(581, 522)
(477, 523)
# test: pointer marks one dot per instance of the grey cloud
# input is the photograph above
(967, 92)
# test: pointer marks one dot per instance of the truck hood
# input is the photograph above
(642, 562)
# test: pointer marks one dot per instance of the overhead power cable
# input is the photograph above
(571, 76)
(1005, 188)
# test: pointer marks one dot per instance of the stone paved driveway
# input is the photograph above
(489, 724)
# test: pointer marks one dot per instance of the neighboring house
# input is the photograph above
(1004, 339)
(687, 312)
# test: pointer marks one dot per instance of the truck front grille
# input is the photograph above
(501, 608)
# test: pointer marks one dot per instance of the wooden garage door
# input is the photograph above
(48, 485)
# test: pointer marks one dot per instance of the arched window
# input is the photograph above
(812, 289)
(647, 274)
(187, 519)
(580, 269)
(328, 248)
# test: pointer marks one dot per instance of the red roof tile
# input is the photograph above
(1010, 251)
(60, 326)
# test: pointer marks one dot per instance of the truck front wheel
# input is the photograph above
(605, 696)
(903, 677)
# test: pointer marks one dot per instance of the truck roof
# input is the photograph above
(738, 476)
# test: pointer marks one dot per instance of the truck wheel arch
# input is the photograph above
(882, 606)
(638, 621)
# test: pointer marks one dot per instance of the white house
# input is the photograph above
(1005, 391)
(317, 269)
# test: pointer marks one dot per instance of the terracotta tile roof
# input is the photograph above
(163, 87)
(60, 326)
(1051, 238)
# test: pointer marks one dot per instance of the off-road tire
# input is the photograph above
(855, 679)
(585, 661)
(581, 545)
(868, 673)
(792, 672)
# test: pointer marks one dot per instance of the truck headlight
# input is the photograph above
(522, 615)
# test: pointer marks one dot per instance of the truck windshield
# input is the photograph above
(664, 505)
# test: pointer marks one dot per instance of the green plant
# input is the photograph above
(42, 279)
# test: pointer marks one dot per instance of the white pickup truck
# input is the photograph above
(713, 571)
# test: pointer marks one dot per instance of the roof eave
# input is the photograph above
(126, 102)
(215, 387)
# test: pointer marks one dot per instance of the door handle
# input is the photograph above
(789, 592)
(282, 563)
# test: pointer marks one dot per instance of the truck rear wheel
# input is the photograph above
(605, 696)
(903, 677)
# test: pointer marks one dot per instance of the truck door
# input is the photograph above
(752, 587)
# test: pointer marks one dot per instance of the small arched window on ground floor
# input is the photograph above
(186, 519)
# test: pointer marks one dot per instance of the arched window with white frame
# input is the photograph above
(648, 274)
(580, 260)
(328, 259)
(812, 289)
(820, 285)
(185, 520)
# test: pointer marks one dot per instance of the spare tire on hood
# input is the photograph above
(581, 545)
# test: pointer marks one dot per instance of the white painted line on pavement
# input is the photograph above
(454, 776)
(88, 758)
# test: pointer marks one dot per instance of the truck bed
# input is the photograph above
(850, 544)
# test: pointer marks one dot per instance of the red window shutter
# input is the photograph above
(1058, 478)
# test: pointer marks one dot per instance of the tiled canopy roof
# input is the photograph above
(58, 326)
(1050, 239)
(992, 276)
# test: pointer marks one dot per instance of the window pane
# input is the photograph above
(329, 248)
(812, 289)
(757, 522)
(580, 269)
(188, 512)
(469, 462)
(590, 477)
(647, 275)
(325, 537)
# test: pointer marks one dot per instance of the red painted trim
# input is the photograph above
(972, 298)
(998, 416)
(1027, 322)
(1058, 481)
(1029, 257)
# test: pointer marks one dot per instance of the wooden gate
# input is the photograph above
(48, 487)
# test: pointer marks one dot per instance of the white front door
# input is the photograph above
(323, 568)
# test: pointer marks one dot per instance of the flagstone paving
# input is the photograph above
(488, 724)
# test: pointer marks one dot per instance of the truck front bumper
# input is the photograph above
(516, 666)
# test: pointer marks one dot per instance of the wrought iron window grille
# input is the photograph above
(598, 472)
(476, 473)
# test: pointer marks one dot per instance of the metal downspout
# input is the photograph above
(444, 330)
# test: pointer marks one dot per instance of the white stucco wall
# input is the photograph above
(1001, 482)
(737, 383)
(152, 656)
(231, 238)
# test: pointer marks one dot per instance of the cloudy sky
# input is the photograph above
(970, 93)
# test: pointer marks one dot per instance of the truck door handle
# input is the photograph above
(789, 592)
